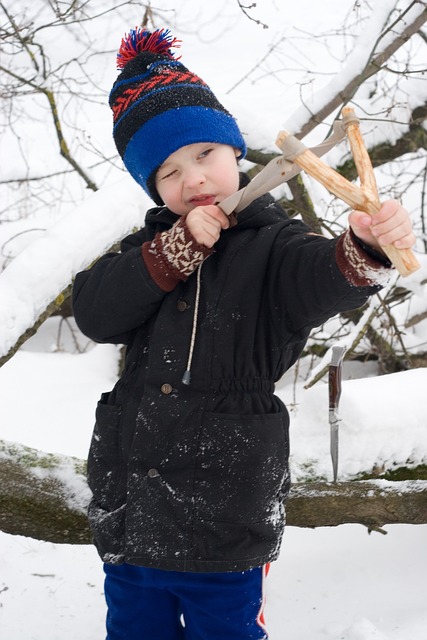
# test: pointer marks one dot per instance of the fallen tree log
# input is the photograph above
(44, 496)
(372, 503)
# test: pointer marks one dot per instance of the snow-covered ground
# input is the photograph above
(329, 584)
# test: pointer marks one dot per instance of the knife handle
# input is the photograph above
(335, 376)
(334, 386)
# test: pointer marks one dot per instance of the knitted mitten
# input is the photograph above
(173, 255)
(361, 264)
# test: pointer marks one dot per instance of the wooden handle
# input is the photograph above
(403, 259)
(360, 155)
(335, 377)
(364, 198)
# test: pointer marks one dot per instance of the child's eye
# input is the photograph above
(206, 152)
(168, 175)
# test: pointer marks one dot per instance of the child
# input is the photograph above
(189, 458)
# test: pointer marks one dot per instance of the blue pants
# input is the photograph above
(147, 604)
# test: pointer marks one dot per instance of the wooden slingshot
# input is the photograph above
(364, 198)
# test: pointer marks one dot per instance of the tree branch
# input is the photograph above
(63, 146)
(53, 307)
(410, 142)
(371, 69)
(246, 9)
(44, 496)
(373, 503)
(303, 204)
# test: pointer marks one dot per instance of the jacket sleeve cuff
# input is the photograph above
(173, 255)
(360, 264)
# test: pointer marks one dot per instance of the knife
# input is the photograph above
(334, 384)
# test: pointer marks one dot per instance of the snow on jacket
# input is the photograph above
(195, 477)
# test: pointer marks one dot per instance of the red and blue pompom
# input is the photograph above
(160, 41)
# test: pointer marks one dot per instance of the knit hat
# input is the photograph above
(160, 106)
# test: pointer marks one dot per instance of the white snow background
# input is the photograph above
(330, 583)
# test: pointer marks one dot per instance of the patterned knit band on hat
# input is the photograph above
(160, 106)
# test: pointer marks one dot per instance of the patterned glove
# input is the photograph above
(173, 255)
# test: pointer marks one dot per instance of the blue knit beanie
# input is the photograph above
(160, 106)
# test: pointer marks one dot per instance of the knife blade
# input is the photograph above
(335, 387)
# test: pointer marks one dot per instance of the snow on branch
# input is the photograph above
(363, 62)
(37, 276)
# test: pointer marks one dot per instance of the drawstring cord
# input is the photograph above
(186, 378)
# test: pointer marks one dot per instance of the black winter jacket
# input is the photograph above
(194, 477)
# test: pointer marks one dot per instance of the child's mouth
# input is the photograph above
(203, 199)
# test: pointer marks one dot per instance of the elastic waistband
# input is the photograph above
(242, 385)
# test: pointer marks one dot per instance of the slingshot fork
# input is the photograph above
(364, 198)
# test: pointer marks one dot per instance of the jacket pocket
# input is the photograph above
(108, 529)
(104, 460)
(242, 467)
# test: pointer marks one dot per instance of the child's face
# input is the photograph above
(196, 175)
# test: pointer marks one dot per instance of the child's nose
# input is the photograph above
(194, 177)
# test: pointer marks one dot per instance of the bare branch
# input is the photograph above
(63, 146)
(246, 8)
(50, 309)
(371, 69)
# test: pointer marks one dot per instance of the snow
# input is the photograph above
(28, 285)
(329, 583)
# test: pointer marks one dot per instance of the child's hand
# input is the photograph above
(391, 225)
(205, 224)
